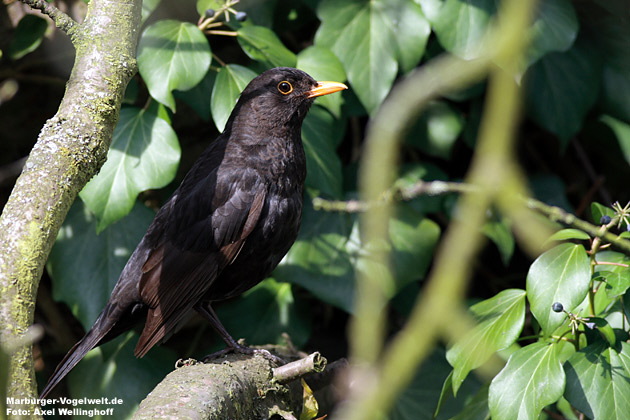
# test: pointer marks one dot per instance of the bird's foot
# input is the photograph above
(242, 349)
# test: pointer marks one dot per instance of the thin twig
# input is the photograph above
(295, 370)
(62, 20)
(430, 188)
(560, 215)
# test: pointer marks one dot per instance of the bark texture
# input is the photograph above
(71, 148)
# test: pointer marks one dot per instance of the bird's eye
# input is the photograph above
(285, 87)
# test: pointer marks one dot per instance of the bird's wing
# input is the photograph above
(197, 245)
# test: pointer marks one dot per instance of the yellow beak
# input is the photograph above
(324, 88)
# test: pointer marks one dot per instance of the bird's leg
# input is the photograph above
(232, 345)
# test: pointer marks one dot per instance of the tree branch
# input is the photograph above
(62, 20)
(71, 147)
(238, 387)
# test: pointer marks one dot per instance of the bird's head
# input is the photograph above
(280, 97)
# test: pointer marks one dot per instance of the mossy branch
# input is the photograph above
(239, 387)
(71, 148)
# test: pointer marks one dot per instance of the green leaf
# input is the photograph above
(322, 162)
(561, 274)
(617, 277)
(599, 210)
(329, 250)
(172, 55)
(199, 98)
(604, 328)
(501, 320)
(500, 233)
(569, 234)
(560, 89)
(607, 26)
(532, 379)
(437, 129)
(264, 313)
(28, 35)
(85, 266)
(616, 89)
(476, 408)
(598, 381)
(203, 5)
(319, 260)
(461, 25)
(622, 132)
(112, 371)
(262, 44)
(555, 28)
(323, 65)
(411, 34)
(148, 7)
(414, 239)
(229, 84)
(144, 154)
(363, 34)
(418, 400)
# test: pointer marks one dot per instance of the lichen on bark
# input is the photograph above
(70, 149)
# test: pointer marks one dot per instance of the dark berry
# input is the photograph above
(557, 307)
(241, 16)
(209, 13)
(605, 220)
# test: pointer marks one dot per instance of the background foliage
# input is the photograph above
(574, 145)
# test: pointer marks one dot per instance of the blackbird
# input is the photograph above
(226, 227)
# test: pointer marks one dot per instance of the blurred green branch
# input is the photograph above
(380, 375)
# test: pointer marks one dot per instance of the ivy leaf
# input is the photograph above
(323, 163)
(437, 129)
(500, 233)
(199, 98)
(622, 132)
(501, 320)
(229, 84)
(203, 5)
(598, 381)
(144, 154)
(555, 28)
(264, 313)
(560, 89)
(599, 210)
(532, 379)
(461, 25)
(28, 35)
(561, 274)
(363, 34)
(148, 7)
(617, 277)
(323, 65)
(172, 55)
(262, 44)
(85, 266)
(569, 234)
(319, 260)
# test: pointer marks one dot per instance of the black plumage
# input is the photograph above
(234, 216)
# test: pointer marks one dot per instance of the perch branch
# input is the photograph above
(299, 368)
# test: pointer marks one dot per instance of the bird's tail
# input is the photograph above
(98, 334)
(71, 359)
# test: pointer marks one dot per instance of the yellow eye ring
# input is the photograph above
(285, 87)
